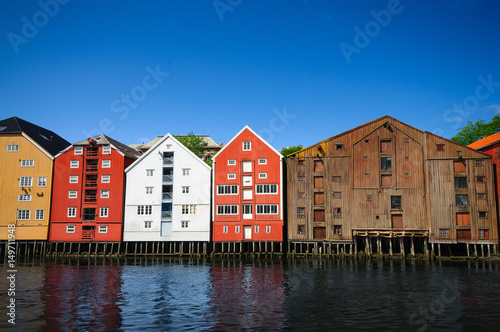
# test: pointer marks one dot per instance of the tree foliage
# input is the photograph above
(477, 130)
(290, 149)
(193, 143)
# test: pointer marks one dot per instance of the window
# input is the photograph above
(407, 175)
(27, 163)
(262, 175)
(73, 194)
(184, 224)
(42, 181)
(368, 198)
(444, 233)
(74, 164)
(339, 147)
(231, 176)
(106, 163)
(479, 162)
(256, 228)
(23, 214)
(480, 179)
(459, 166)
(231, 162)
(103, 228)
(230, 189)
(185, 190)
(406, 140)
(483, 234)
(147, 224)
(78, 149)
(301, 229)
(367, 174)
(185, 171)
(262, 161)
(104, 193)
(461, 200)
(247, 208)
(301, 194)
(336, 194)
(337, 213)
(144, 209)
(336, 178)
(13, 148)
(396, 202)
(247, 146)
(460, 182)
(237, 229)
(266, 189)
(89, 214)
(189, 209)
(73, 179)
(301, 212)
(70, 228)
(103, 212)
(268, 229)
(301, 179)
(482, 214)
(337, 229)
(386, 164)
(481, 196)
(439, 147)
(149, 190)
(227, 209)
(407, 157)
(267, 209)
(224, 229)
(106, 150)
(149, 172)
(72, 212)
(25, 181)
(24, 198)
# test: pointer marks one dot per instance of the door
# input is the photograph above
(397, 221)
(247, 211)
(319, 215)
(166, 228)
(247, 166)
(88, 232)
(247, 180)
(319, 233)
(247, 232)
(247, 193)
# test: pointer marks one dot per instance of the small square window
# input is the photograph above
(407, 157)
(482, 214)
(231, 162)
(368, 198)
(300, 162)
(147, 224)
(39, 214)
(106, 150)
(339, 147)
(444, 233)
(149, 190)
(185, 190)
(301, 229)
(247, 146)
(301, 212)
(74, 164)
(483, 234)
(337, 230)
(480, 179)
(78, 149)
(407, 175)
(336, 179)
(336, 194)
(70, 228)
(262, 161)
(481, 196)
(73, 179)
(103, 212)
(73, 194)
(104, 193)
(365, 157)
(106, 163)
(185, 171)
(461, 200)
(105, 178)
(72, 212)
(103, 228)
(184, 224)
(367, 174)
(479, 162)
(231, 176)
(301, 194)
(407, 140)
(149, 172)
(301, 179)
(396, 202)
(262, 175)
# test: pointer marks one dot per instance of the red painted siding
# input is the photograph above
(273, 168)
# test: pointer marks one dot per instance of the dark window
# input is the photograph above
(407, 140)
(479, 162)
(483, 233)
(407, 175)
(339, 147)
(337, 229)
(396, 202)
(481, 196)
(301, 195)
(301, 229)
(482, 214)
(300, 212)
(460, 182)
(386, 164)
(336, 194)
(444, 233)
(337, 213)
(368, 198)
(88, 214)
(301, 179)
(461, 200)
(336, 179)
(480, 179)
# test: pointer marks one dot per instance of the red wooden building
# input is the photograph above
(88, 193)
(248, 190)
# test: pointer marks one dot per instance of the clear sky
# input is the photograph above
(295, 71)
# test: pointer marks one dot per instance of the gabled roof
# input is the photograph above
(158, 143)
(253, 132)
(486, 141)
(48, 140)
(106, 140)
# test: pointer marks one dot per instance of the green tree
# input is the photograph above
(193, 143)
(290, 149)
(476, 130)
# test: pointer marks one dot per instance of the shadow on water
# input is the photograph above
(240, 294)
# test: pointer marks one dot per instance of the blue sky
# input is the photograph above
(296, 71)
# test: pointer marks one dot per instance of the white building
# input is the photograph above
(167, 195)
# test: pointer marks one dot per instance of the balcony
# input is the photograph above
(91, 168)
(168, 161)
(91, 183)
(92, 152)
(91, 196)
(167, 196)
(168, 178)
(166, 214)
(88, 234)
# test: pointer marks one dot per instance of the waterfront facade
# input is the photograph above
(88, 190)
(388, 181)
(247, 190)
(167, 195)
(27, 153)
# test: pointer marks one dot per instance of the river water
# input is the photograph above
(261, 295)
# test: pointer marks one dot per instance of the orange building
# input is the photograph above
(27, 153)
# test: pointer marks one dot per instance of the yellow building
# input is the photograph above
(26, 166)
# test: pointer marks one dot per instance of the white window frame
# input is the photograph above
(23, 214)
(78, 150)
(257, 228)
(231, 162)
(268, 229)
(185, 189)
(148, 224)
(103, 229)
(70, 229)
(150, 172)
(106, 163)
(27, 162)
(105, 193)
(26, 181)
(262, 161)
(73, 179)
(229, 207)
(184, 223)
(73, 194)
(149, 190)
(227, 189)
(237, 228)
(13, 148)
(103, 212)
(42, 181)
(224, 229)
(188, 209)
(247, 146)
(262, 175)
(106, 178)
(24, 198)
(263, 186)
(263, 208)
(144, 209)
(74, 163)
(39, 214)
(186, 171)
(71, 212)
(231, 176)
(106, 149)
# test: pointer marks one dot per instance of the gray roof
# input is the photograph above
(106, 140)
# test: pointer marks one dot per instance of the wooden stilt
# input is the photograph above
(379, 246)
(475, 249)
(412, 251)
(482, 250)
(402, 245)
(468, 251)
(489, 252)
(439, 249)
